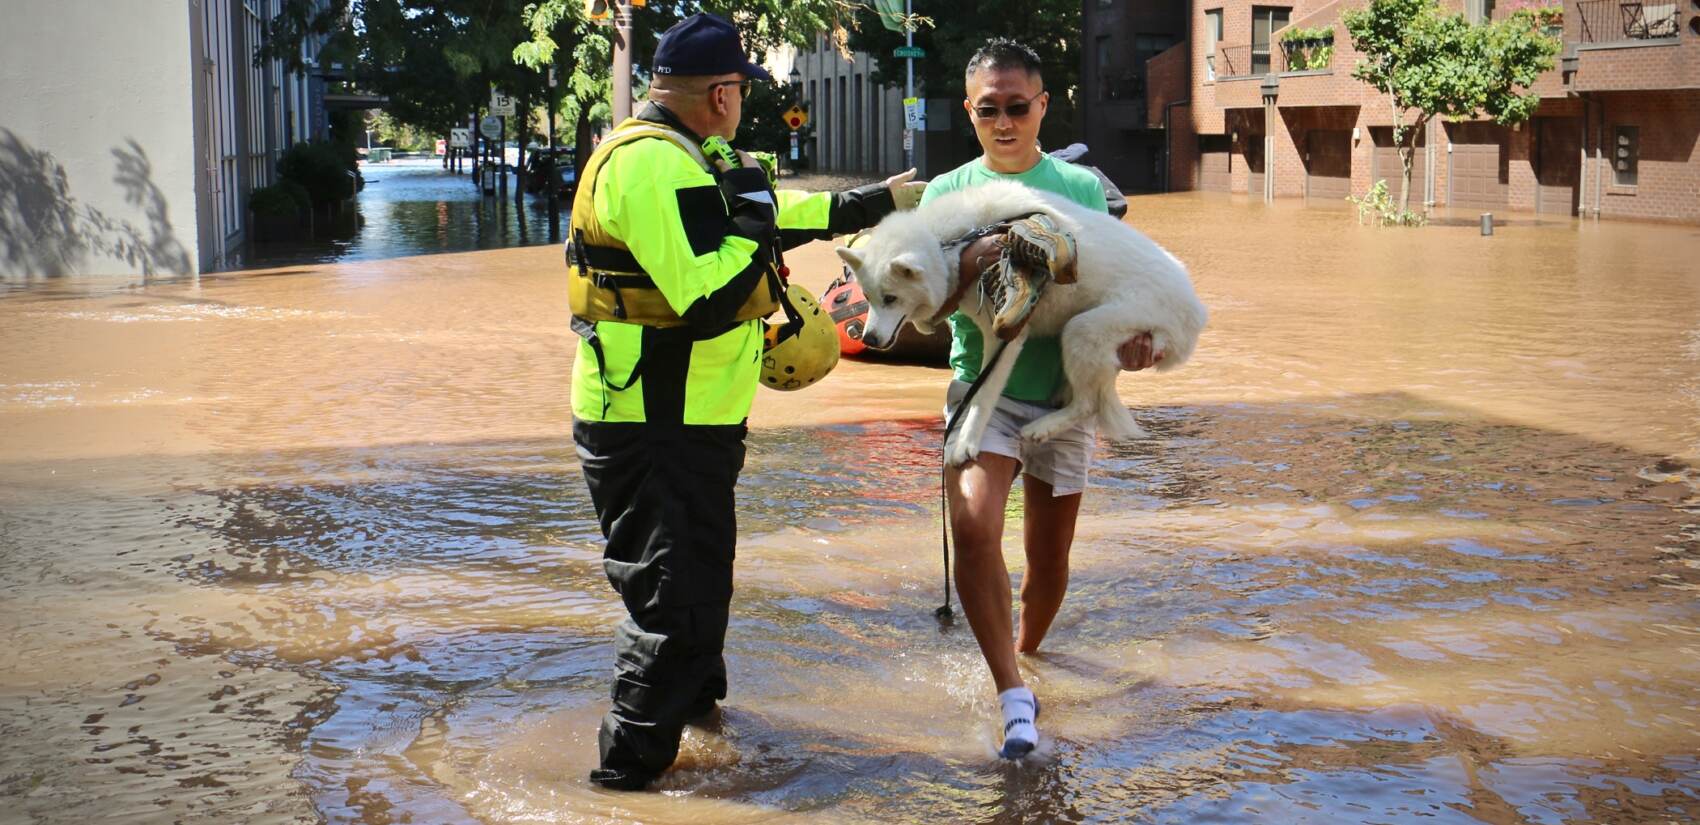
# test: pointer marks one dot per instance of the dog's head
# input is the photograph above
(903, 276)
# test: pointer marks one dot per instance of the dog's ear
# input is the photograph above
(851, 257)
(906, 268)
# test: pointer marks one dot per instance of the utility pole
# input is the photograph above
(502, 158)
(908, 81)
(622, 103)
(554, 166)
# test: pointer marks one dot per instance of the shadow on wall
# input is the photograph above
(45, 232)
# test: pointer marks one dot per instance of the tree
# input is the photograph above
(763, 127)
(951, 35)
(1430, 63)
(560, 26)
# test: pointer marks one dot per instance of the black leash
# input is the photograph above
(944, 613)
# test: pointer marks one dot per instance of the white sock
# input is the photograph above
(1020, 709)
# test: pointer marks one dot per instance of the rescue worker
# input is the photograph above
(675, 258)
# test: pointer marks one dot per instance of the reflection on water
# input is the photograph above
(415, 207)
(1415, 541)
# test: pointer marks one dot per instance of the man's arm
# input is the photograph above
(816, 216)
(805, 217)
(700, 242)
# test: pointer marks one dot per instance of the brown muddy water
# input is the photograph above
(1418, 541)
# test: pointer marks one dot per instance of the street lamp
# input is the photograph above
(795, 82)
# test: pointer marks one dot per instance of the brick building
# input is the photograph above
(1617, 133)
(1115, 86)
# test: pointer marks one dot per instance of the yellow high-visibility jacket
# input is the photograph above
(674, 264)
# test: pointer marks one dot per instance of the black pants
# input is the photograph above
(664, 496)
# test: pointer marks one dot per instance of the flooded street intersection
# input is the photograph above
(1418, 539)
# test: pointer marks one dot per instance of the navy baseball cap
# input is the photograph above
(702, 45)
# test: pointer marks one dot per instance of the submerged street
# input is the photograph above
(1417, 540)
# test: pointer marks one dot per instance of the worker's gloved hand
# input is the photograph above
(905, 190)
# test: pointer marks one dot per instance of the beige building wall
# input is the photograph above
(858, 125)
(97, 168)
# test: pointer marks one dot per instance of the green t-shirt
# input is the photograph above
(1037, 376)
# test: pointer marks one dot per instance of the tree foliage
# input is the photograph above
(436, 60)
(1434, 64)
(951, 34)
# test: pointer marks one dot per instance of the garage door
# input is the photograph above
(1328, 164)
(1213, 152)
(1385, 164)
(1559, 142)
(1478, 165)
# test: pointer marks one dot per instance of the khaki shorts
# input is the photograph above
(1060, 462)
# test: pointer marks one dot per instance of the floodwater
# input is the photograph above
(413, 207)
(1417, 540)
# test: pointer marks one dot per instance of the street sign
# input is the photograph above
(501, 104)
(793, 145)
(796, 118)
(460, 138)
(602, 11)
(909, 51)
(914, 113)
(491, 127)
(908, 141)
(442, 146)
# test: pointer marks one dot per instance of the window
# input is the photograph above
(1626, 155)
(857, 161)
(825, 142)
(1101, 56)
(1212, 35)
(1264, 22)
(876, 102)
(1478, 11)
(841, 142)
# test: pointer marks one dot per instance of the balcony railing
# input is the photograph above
(1240, 61)
(1616, 21)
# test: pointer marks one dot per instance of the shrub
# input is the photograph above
(322, 169)
(1377, 204)
(283, 200)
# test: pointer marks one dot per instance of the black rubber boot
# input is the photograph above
(615, 780)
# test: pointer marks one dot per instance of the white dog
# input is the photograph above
(1127, 285)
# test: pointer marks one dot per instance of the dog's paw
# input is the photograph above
(1048, 426)
(961, 451)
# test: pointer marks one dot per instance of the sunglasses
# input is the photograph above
(743, 87)
(1016, 111)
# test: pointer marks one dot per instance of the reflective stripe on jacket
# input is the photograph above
(707, 242)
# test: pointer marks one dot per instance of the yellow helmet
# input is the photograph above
(803, 348)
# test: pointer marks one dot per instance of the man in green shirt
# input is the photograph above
(1006, 99)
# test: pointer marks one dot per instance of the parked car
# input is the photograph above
(542, 166)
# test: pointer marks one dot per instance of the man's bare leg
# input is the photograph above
(1047, 535)
(979, 491)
